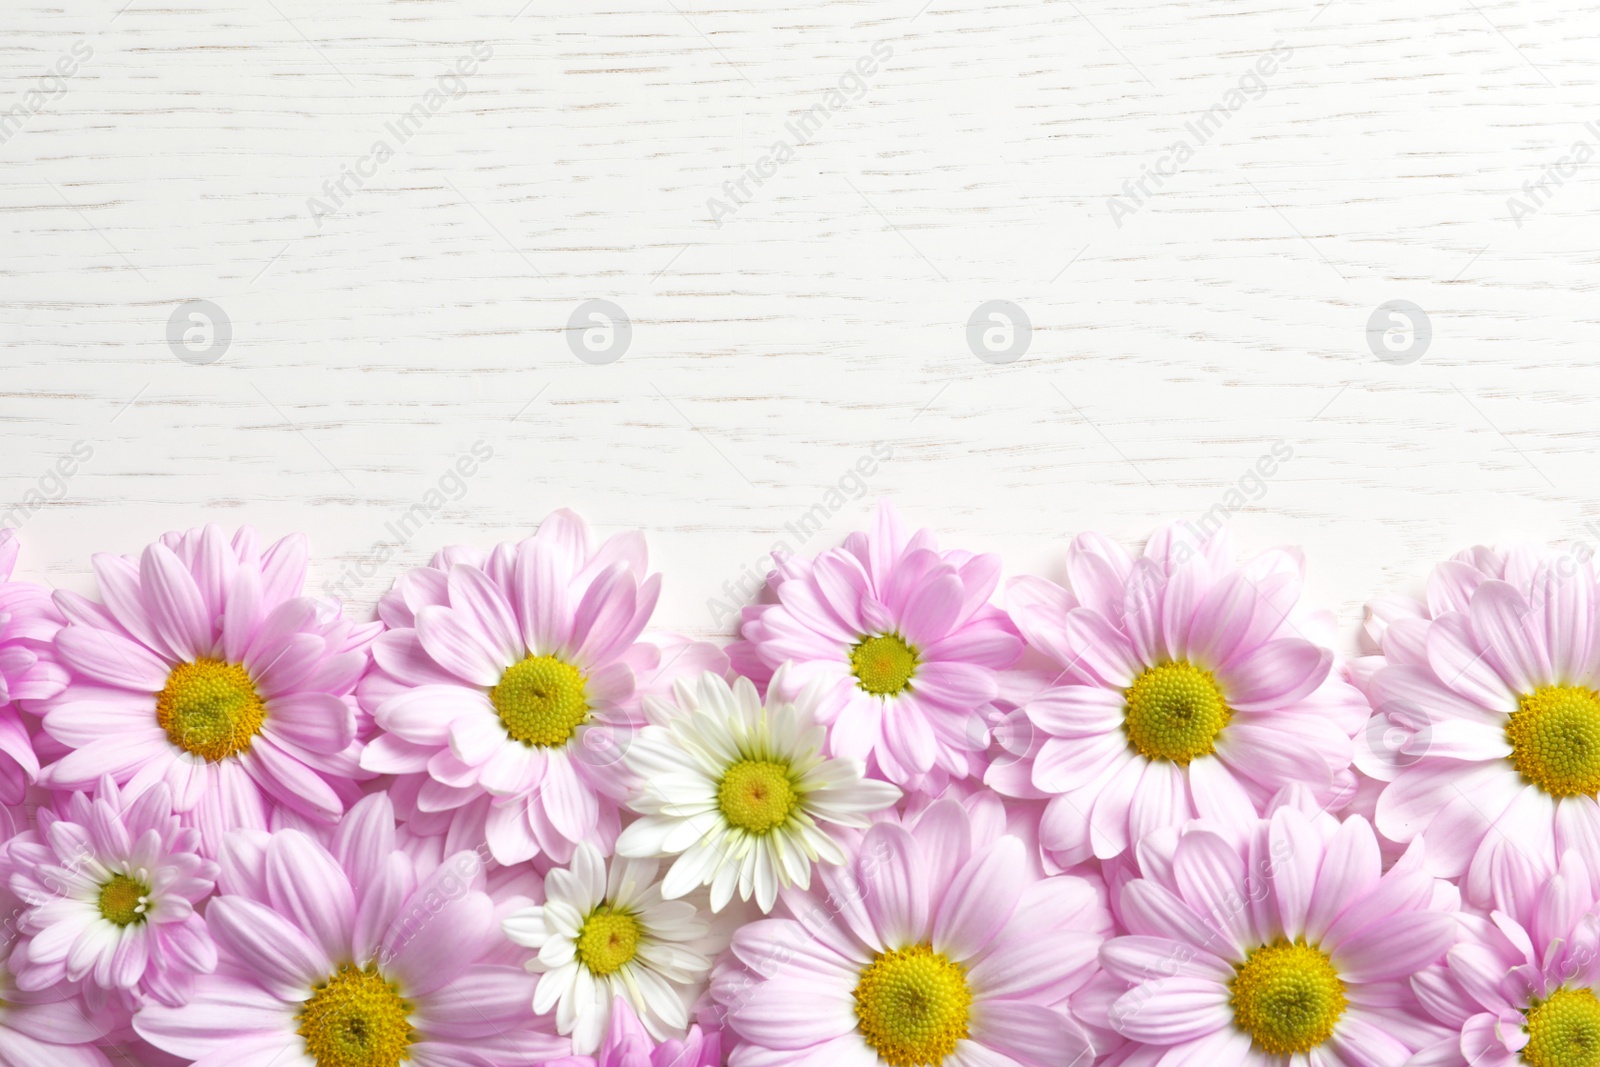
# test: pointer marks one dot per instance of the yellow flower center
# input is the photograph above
(1287, 997)
(124, 900)
(356, 1019)
(608, 939)
(210, 709)
(912, 1006)
(1555, 739)
(1175, 712)
(1564, 1030)
(883, 665)
(541, 701)
(757, 795)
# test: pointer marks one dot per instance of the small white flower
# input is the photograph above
(600, 938)
(743, 792)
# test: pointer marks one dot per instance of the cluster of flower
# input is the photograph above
(1147, 818)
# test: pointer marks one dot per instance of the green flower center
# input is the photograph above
(608, 939)
(356, 1019)
(541, 701)
(1564, 1030)
(1555, 739)
(1175, 712)
(210, 709)
(912, 1006)
(757, 795)
(1287, 997)
(124, 900)
(883, 665)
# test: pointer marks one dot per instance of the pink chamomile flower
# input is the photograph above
(205, 668)
(1185, 685)
(507, 689)
(1491, 692)
(1521, 986)
(904, 641)
(344, 955)
(1292, 947)
(110, 884)
(936, 946)
(50, 1027)
(29, 622)
(628, 1044)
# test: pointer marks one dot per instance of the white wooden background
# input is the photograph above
(430, 311)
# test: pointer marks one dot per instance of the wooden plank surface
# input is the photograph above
(798, 209)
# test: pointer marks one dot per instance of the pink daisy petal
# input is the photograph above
(1458, 661)
(175, 605)
(423, 715)
(457, 647)
(283, 960)
(1029, 943)
(108, 657)
(980, 901)
(1499, 622)
(306, 886)
(1030, 1033)
(1395, 947)
(888, 586)
(472, 592)
(320, 722)
(1184, 963)
(899, 907)
(1171, 1011)
(1278, 673)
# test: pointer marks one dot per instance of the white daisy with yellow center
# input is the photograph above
(742, 793)
(601, 936)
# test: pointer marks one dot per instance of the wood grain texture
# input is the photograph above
(1171, 346)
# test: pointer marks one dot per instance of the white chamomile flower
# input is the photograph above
(600, 938)
(742, 792)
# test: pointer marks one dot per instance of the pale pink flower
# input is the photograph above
(49, 1028)
(1291, 947)
(343, 954)
(110, 884)
(1185, 684)
(28, 624)
(207, 669)
(1487, 713)
(628, 1044)
(936, 946)
(904, 640)
(56, 1026)
(1521, 987)
(506, 689)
